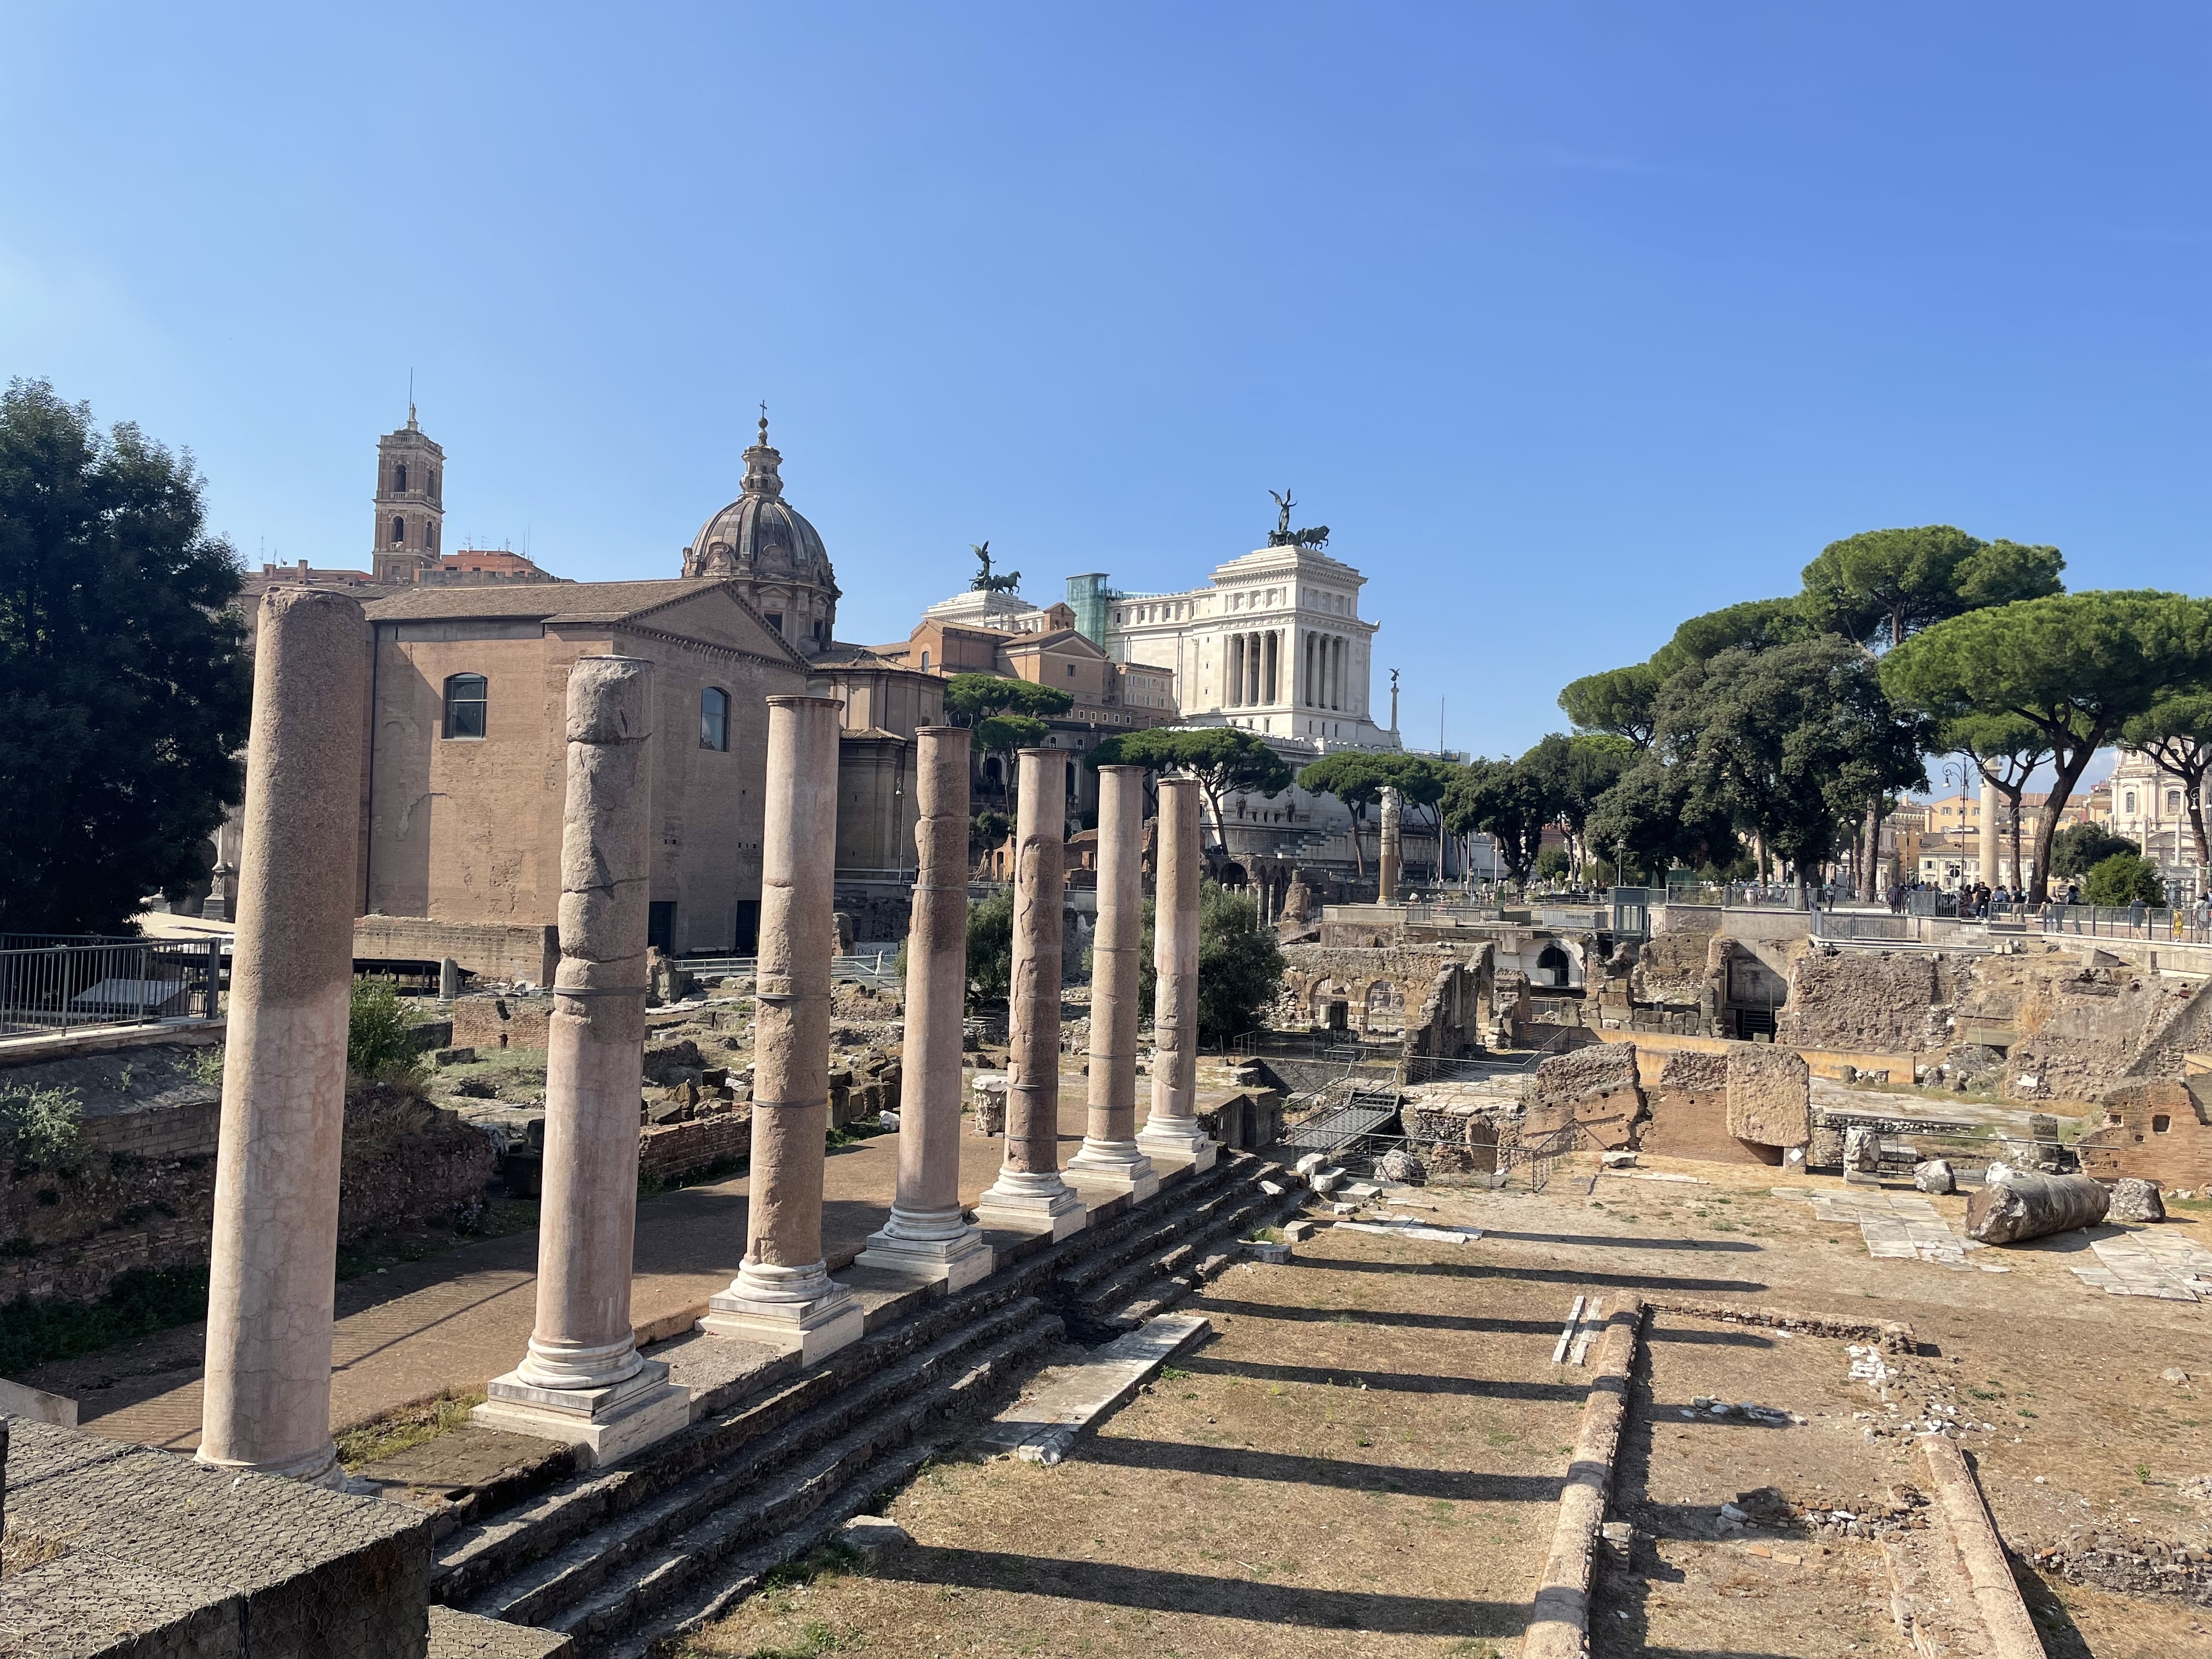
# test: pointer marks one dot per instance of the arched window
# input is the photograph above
(398, 530)
(1071, 779)
(715, 720)
(2130, 807)
(399, 478)
(465, 704)
(434, 484)
(925, 662)
(430, 535)
(1553, 965)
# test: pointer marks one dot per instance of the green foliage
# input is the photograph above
(1887, 584)
(139, 1302)
(2080, 847)
(1553, 864)
(379, 1048)
(1652, 813)
(2075, 665)
(2122, 878)
(1222, 758)
(1790, 742)
(2176, 731)
(971, 699)
(124, 688)
(1574, 772)
(989, 829)
(1752, 625)
(1507, 802)
(991, 948)
(1003, 734)
(1617, 702)
(1240, 965)
(40, 1127)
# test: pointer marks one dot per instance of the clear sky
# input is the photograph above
(1569, 319)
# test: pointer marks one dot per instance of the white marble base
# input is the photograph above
(1119, 1166)
(761, 1306)
(959, 1261)
(609, 1424)
(1019, 1201)
(1191, 1147)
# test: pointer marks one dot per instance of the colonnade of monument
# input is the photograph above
(581, 1377)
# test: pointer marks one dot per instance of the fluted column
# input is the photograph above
(266, 1406)
(783, 1295)
(928, 1231)
(1110, 1156)
(1030, 1194)
(1172, 1132)
(582, 1379)
(1233, 670)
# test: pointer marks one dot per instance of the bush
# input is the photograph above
(991, 948)
(379, 1048)
(140, 1301)
(2122, 880)
(1553, 864)
(1240, 966)
(40, 1125)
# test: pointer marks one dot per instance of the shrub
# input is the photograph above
(379, 1048)
(40, 1125)
(2080, 847)
(1553, 864)
(1240, 966)
(2122, 880)
(991, 948)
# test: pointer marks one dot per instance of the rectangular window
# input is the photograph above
(466, 705)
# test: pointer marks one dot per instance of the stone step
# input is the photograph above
(1141, 1237)
(1187, 1269)
(663, 1587)
(507, 1567)
(1069, 1400)
(1226, 1218)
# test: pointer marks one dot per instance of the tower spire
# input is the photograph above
(763, 424)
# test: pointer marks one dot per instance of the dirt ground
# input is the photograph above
(1266, 1503)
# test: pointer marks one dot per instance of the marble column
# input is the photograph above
(582, 1379)
(1029, 1195)
(1392, 858)
(783, 1295)
(1234, 677)
(1172, 1132)
(928, 1232)
(266, 1401)
(1110, 1156)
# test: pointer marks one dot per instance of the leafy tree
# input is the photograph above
(1889, 584)
(2080, 847)
(2075, 665)
(2176, 732)
(1617, 702)
(990, 948)
(971, 699)
(1752, 625)
(2006, 750)
(1576, 771)
(987, 829)
(2124, 878)
(1506, 801)
(1652, 814)
(1353, 777)
(1240, 965)
(1222, 758)
(1554, 864)
(124, 687)
(1790, 742)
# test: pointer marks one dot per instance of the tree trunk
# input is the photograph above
(2025, 1207)
(2070, 774)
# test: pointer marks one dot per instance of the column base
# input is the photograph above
(799, 1310)
(1025, 1201)
(608, 1425)
(319, 1468)
(1187, 1145)
(959, 1259)
(1119, 1165)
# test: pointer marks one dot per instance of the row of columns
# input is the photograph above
(1253, 671)
(1326, 678)
(581, 1378)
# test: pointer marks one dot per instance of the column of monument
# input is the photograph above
(582, 1379)
(783, 1295)
(1030, 1194)
(1110, 1156)
(266, 1401)
(1172, 1130)
(927, 1231)
(1391, 859)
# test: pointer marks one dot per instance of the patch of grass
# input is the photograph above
(1170, 1374)
(2142, 1474)
(139, 1302)
(402, 1426)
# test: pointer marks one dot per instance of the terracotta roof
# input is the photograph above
(541, 601)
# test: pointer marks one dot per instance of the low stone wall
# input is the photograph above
(1387, 990)
(666, 1151)
(1596, 1087)
(488, 950)
(490, 1022)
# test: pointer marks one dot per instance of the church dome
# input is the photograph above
(761, 540)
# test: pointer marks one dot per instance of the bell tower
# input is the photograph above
(410, 504)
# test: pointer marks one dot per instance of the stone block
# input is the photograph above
(2136, 1200)
(1770, 1096)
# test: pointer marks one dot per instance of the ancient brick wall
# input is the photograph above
(487, 1023)
(667, 1150)
(1673, 969)
(491, 951)
(2154, 1129)
(1384, 988)
(1596, 1087)
(1855, 1000)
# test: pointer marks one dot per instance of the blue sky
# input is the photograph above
(1570, 320)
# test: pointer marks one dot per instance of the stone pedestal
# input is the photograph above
(1110, 1156)
(928, 1232)
(266, 1402)
(583, 1381)
(1172, 1133)
(783, 1295)
(1029, 1195)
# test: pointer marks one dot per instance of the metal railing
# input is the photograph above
(63, 987)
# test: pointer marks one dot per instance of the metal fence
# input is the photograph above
(61, 987)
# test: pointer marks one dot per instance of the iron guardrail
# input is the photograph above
(63, 986)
